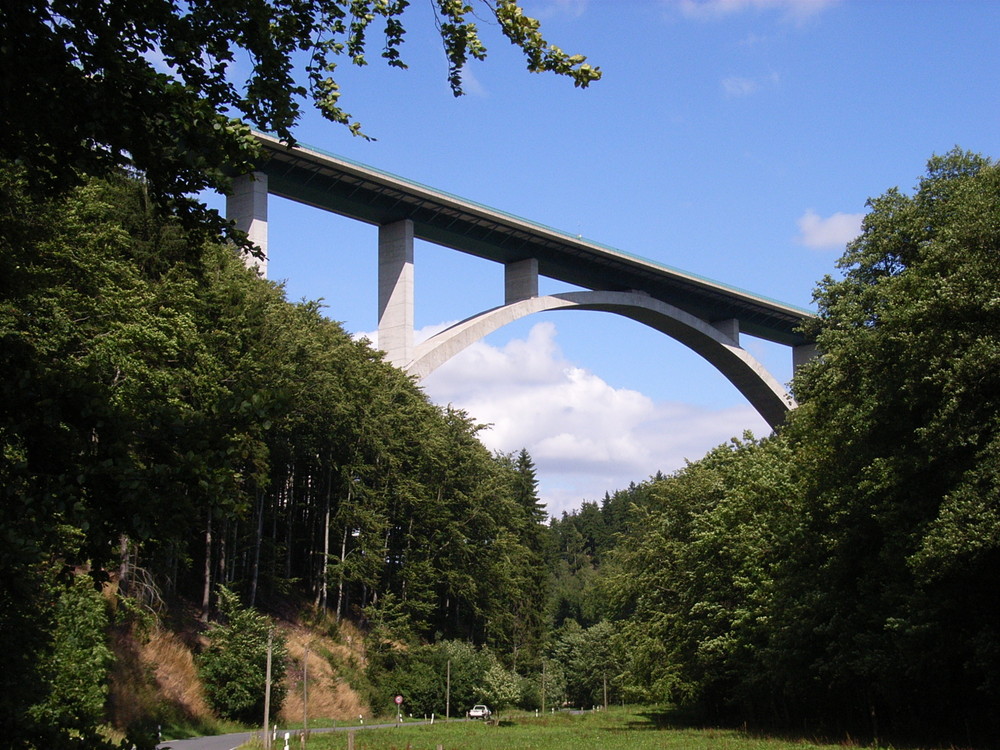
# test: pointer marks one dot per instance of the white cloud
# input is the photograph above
(471, 84)
(737, 86)
(797, 11)
(753, 40)
(420, 335)
(552, 8)
(832, 232)
(585, 436)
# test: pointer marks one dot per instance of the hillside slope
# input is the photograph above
(155, 681)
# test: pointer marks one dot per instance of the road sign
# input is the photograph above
(399, 699)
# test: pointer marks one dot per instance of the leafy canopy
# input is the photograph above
(836, 574)
(160, 86)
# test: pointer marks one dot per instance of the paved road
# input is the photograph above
(231, 741)
(218, 742)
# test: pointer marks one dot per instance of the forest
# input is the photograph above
(179, 437)
(181, 427)
(175, 428)
(839, 575)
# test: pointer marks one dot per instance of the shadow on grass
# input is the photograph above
(690, 720)
(667, 718)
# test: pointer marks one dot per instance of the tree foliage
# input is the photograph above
(161, 404)
(835, 574)
(898, 434)
(75, 667)
(183, 417)
(173, 89)
(420, 673)
(233, 667)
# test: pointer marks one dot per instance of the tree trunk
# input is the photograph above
(267, 690)
(124, 566)
(305, 695)
(289, 521)
(231, 573)
(172, 564)
(206, 594)
(273, 557)
(343, 553)
(326, 548)
(340, 573)
(255, 569)
(221, 575)
(406, 557)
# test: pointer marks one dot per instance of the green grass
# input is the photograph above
(617, 729)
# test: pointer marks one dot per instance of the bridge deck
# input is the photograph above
(309, 176)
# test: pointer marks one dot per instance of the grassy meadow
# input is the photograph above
(631, 728)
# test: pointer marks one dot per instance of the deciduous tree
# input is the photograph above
(899, 434)
(164, 87)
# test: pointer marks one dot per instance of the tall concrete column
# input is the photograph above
(247, 206)
(395, 291)
(802, 354)
(520, 280)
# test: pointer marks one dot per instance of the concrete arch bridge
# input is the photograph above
(704, 315)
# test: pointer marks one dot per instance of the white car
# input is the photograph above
(479, 711)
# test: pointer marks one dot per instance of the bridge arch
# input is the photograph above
(718, 344)
(705, 315)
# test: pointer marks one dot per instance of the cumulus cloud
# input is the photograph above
(585, 436)
(794, 10)
(832, 232)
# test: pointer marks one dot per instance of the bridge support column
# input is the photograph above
(395, 291)
(730, 327)
(247, 206)
(520, 280)
(802, 354)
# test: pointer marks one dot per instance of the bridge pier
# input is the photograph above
(247, 206)
(730, 327)
(709, 317)
(520, 280)
(395, 291)
(802, 354)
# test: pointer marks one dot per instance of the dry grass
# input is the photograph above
(175, 673)
(155, 680)
(329, 696)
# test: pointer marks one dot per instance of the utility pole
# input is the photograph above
(305, 695)
(543, 686)
(447, 695)
(267, 692)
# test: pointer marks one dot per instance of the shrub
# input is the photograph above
(234, 666)
(76, 667)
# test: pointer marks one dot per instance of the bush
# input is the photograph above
(76, 667)
(234, 666)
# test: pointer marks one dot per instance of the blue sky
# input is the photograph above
(735, 139)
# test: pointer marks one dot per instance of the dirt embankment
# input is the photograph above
(155, 678)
